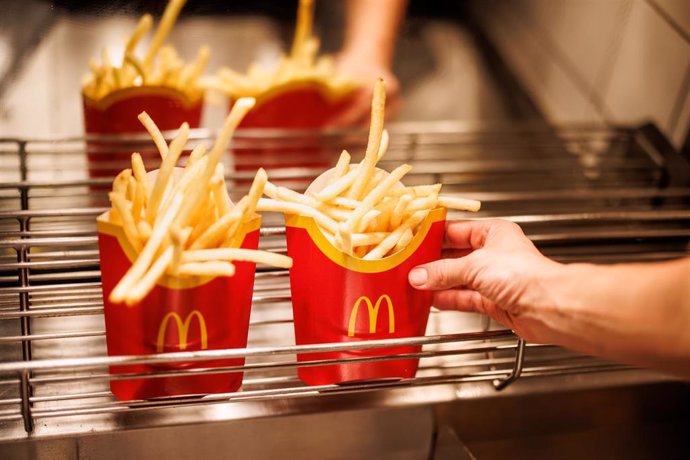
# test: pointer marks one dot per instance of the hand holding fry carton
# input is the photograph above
(354, 236)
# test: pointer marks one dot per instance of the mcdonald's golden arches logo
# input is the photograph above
(373, 310)
(182, 329)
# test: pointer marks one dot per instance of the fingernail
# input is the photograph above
(418, 277)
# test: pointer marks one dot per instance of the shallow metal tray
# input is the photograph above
(582, 193)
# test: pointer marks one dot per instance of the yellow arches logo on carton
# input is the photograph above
(182, 329)
(373, 310)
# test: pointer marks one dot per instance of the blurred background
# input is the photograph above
(563, 61)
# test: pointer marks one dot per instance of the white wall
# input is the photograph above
(625, 61)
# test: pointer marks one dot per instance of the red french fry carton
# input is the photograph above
(179, 314)
(305, 105)
(340, 298)
(117, 114)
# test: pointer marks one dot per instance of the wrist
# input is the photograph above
(550, 301)
(566, 286)
(366, 54)
(554, 290)
(369, 46)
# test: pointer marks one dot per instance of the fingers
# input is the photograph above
(467, 234)
(474, 234)
(357, 114)
(478, 245)
(470, 301)
(364, 71)
(455, 253)
(394, 105)
(465, 300)
(444, 274)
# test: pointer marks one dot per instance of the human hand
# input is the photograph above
(632, 313)
(366, 70)
(491, 267)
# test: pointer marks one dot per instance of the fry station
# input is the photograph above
(199, 258)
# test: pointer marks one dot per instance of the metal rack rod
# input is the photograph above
(581, 193)
(290, 365)
(167, 358)
(252, 395)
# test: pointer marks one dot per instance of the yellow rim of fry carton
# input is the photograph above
(138, 91)
(106, 227)
(355, 263)
(329, 93)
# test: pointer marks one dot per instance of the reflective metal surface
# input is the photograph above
(54, 377)
(630, 422)
(582, 193)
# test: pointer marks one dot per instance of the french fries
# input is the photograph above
(363, 210)
(301, 65)
(160, 66)
(183, 223)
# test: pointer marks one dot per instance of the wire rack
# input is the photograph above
(581, 193)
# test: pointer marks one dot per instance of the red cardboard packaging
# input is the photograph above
(301, 105)
(179, 314)
(298, 105)
(340, 298)
(117, 114)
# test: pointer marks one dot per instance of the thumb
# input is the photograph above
(442, 274)
(357, 114)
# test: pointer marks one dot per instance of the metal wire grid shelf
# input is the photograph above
(581, 193)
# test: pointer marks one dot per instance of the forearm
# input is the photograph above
(633, 313)
(371, 28)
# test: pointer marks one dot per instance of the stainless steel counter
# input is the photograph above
(581, 193)
(603, 194)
